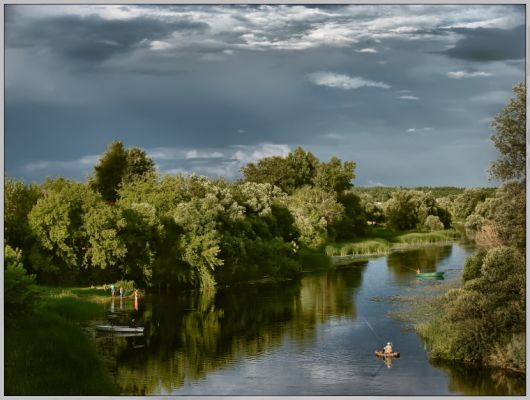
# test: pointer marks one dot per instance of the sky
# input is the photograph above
(406, 91)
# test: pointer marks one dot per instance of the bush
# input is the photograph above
(483, 320)
(128, 286)
(433, 223)
(20, 293)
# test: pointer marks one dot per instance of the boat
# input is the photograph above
(438, 274)
(381, 353)
(120, 329)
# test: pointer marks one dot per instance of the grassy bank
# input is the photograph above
(382, 241)
(47, 353)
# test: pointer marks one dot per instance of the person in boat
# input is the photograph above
(388, 348)
(418, 271)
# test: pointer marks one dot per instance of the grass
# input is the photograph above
(71, 309)
(382, 241)
(47, 355)
(93, 294)
(313, 260)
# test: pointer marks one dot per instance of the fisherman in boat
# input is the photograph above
(388, 348)
(418, 271)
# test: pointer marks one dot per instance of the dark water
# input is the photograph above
(315, 336)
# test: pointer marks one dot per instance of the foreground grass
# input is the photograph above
(47, 353)
(382, 241)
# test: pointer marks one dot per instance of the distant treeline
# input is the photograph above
(383, 193)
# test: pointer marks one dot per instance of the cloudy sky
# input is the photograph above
(405, 91)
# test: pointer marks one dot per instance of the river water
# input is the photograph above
(312, 336)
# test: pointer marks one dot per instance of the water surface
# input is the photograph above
(313, 336)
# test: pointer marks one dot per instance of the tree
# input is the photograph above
(138, 164)
(58, 222)
(302, 165)
(402, 210)
(19, 199)
(20, 293)
(314, 210)
(353, 223)
(510, 138)
(118, 165)
(334, 175)
(109, 172)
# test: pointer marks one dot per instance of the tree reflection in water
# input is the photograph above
(193, 333)
(403, 264)
(478, 381)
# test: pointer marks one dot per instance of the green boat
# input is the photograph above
(430, 275)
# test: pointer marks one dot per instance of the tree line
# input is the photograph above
(126, 221)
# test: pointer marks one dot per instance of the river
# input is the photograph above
(312, 336)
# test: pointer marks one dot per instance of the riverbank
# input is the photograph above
(47, 352)
(422, 310)
(383, 242)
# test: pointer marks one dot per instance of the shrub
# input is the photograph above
(433, 223)
(20, 293)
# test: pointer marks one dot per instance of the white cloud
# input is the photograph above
(159, 45)
(297, 27)
(220, 162)
(83, 163)
(407, 97)
(426, 129)
(196, 154)
(467, 74)
(375, 183)
(255, 153)
(367, 50)
(344, 82)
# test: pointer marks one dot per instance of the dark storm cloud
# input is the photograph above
(190, 83)
(92, 38)
(483, 44)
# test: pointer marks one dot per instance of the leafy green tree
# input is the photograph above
(58, 222)
(509, 214)
(302, 166)
(353, 222)
(274, 170)
(334, 175)
(104, 225)
(20, 293)
(466, 202)
(19, 199)
(510, 138)
(373, 211)
(314, 210)
(433, 223)
(142, 234)
(138, 164)
(401, 210)
(109, 171)
(118, 165)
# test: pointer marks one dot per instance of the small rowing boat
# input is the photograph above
(120, 329)
(430, 274)
(381, 353)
